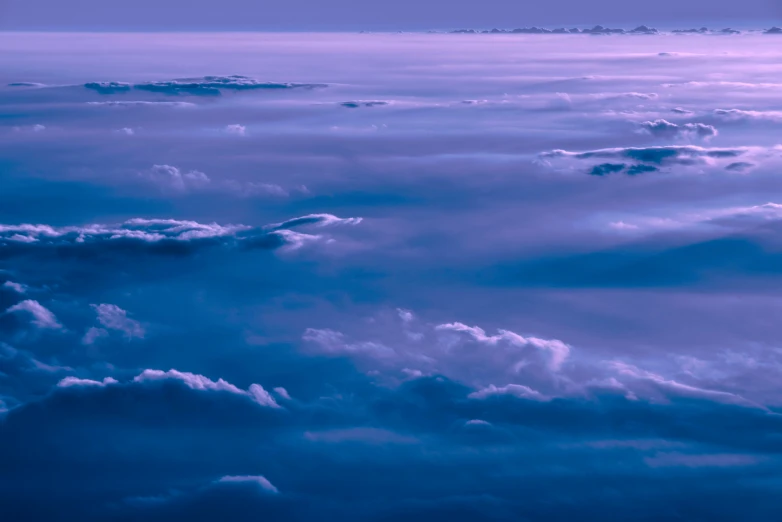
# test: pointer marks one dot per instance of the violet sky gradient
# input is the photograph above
(338, 15)
(322, 276)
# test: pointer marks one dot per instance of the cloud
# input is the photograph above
(665, 129)
(113, 317)
(679, 389)
(729, 218)
(318, 220)
(174, 178)
(215, 85)
(236, 129)
(674, 154)
(557, 350)
(363, 103)
(714, 460)
(108, 87)
(16, 287)
(140, 103)
(75, 381)
(516, 390)
(259, 480)
(201, 383)
(164, 236)
(648, 159)
(739, 114)
(329, 342)
(92, 335)
(42, 317)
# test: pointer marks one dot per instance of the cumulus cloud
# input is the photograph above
(557, 350)
(665, 129)
(172, 177)
(42, 317)
(201, 383)
(466, 354)
(113, 317)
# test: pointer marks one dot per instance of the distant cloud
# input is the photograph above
(558, 351)
(648, 159)
(75, 381)
(162, 237)
(739, 114)
(318, 220)
(363, 103)
(665, 129)
(92, 335)
(172, 177)
(113, 317)
(140, 103)
(515, 390)
(16, 287)
(236, 129)
(204, 86)
(259, 480)
(42, 317)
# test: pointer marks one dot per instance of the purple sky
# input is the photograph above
(360, 14)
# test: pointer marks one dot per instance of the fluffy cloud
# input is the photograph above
(199, 382)
(176, 179)
(113, 317)
(236, 129)
(666, 129)
(558, 351)
(42, 317)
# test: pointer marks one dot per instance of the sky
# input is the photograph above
(321, 276)
(338, 15)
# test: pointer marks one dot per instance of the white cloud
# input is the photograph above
(115, 318)
(42, 317)
(199, 382)
(516, 390)
(68, 382)
(236, 129)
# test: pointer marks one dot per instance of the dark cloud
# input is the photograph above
(205, 86)
(158, 236)
(363, 103)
